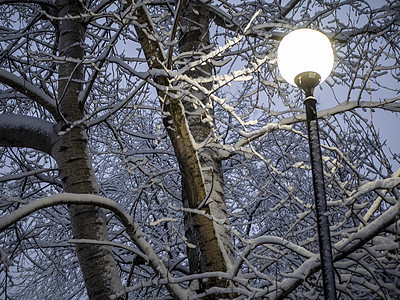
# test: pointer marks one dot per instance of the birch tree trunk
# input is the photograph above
(214, 249)
(202, 182)
(71, 153)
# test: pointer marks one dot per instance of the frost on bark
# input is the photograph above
(71, 153)
(210, 245)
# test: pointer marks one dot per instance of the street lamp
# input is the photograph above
(305, 59)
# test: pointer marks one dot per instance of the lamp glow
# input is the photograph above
(305, 50)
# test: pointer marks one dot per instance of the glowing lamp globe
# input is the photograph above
(305, 58)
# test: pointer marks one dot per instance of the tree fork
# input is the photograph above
(214, 250)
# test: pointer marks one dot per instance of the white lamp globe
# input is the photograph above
(305, 50)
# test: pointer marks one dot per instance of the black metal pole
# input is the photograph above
(321, 208)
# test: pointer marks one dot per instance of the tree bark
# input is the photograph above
(214, 249)
(71, 153)
(200, 169)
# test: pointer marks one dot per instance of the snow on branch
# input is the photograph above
(377, 202)
(341, 249)
(387, 104)
(132, 228)
(205, 275)
(65, 198)
(270, 240)
(123, 64)
(116, 107)
(217, 52)
(25, 131)
(112, 244)
(384, 184)
(356, 240)
(29, 90)
(23, 175)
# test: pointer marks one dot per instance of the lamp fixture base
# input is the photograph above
(307, 81)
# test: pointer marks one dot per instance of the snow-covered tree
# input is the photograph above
(150, 149)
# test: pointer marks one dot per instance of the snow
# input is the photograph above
(29, 90)
(386, 184)
(25, 131)
(285, 123)
(163, 220)
(65, 198)
(132, 229)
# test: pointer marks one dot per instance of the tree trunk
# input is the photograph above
(71, 153)
(200, 169)
(214, 249)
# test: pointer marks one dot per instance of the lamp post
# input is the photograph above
(305, 59)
